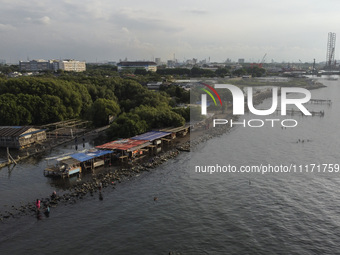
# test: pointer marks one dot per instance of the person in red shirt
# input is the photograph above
(37, 204)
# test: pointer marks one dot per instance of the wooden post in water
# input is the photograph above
(10, 158)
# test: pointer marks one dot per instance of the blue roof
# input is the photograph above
(33, 132)
(89, 155)
(150, 136)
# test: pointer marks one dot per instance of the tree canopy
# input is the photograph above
(52, 98)
(101, 95)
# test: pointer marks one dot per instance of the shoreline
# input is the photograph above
(113, 175)
(39, 149)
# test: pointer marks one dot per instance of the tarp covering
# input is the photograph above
(89, 155)
(151, 136)
(124, 145)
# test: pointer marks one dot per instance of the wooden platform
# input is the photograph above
(320, 101)
(298, 112)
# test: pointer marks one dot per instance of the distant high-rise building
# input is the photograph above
(2, 62)
(241, 60)
(158, 61)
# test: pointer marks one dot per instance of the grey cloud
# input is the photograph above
(142, 23)
(6, 27)
(41, 21)
(197, 11)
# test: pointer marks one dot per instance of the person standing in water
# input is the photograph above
(37, 204)
(47, 210)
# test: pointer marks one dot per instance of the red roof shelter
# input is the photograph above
(124, 145)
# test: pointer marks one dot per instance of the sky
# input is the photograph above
(111, 30)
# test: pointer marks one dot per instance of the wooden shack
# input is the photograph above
(19, 137)
(156, 138)
(65, 167)
(75, 163)
(126, 148)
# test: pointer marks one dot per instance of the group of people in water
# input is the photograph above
(302, 141)
(46, 209)
(46, 206)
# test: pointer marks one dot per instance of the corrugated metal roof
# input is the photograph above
(13, 130)
(89, 155)
(33, 132)
(17, 131)
(152, 135)
(70, 161)
(124, 145)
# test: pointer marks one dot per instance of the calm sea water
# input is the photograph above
(198, 213)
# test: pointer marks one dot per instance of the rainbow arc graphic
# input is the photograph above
(204, 97)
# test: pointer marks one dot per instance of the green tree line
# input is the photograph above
(42, 100)
(254, 71)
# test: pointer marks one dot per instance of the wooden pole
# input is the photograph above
(10, 157)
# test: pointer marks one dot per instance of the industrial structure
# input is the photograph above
(330, 62)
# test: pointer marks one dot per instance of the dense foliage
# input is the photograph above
(41, 100)
(50, 98)
(100, 94)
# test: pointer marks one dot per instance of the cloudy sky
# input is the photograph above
(109, 30)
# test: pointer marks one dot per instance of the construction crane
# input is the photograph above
(330, 63)
(263, 60)
(259, 64)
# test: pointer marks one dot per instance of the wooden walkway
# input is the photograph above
(298, 112)
(320, 101)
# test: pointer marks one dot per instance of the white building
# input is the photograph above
(72, 65)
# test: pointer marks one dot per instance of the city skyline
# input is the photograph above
(100, 31)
